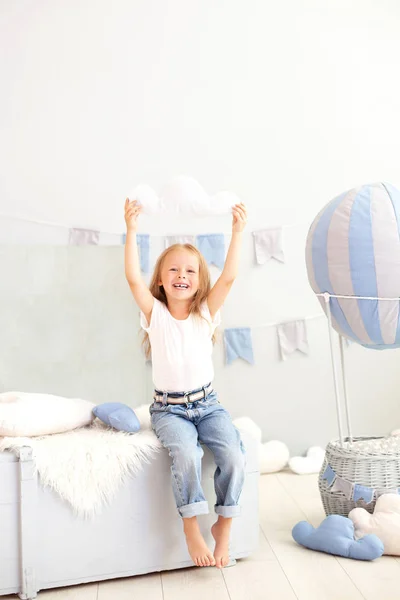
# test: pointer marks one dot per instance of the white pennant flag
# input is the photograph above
(268, 244)
(179, 239)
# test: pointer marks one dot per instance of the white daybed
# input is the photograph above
(44, 545)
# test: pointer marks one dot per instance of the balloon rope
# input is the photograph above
(355, 297)
(334, 370)
(346, 401)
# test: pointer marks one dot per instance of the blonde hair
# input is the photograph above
(159, 293)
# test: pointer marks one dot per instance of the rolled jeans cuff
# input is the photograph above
(228, 511)
(194, 509)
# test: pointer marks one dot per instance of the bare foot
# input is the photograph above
(221, 531)
(198, 549)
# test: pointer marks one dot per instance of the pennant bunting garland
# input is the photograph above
(83, 237)
(179, 239)
(238, 344)
(354, 491)
(212, 247)
(268, 244)
(292, 336)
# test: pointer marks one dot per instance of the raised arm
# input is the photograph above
(224, 283)
(141, 293)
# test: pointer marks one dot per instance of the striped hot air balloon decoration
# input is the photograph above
(353, 253)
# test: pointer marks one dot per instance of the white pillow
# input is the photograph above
(25, 414)
(248, 426)
(311, 463)
(183, 195)
(274, 456)
(385, 522)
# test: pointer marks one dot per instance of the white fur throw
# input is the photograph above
(29, 414)
(87, 466)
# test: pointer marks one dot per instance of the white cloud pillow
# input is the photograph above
(312, 463)
(26, 414)
(273, 455)
(385, 522)
(183, 195)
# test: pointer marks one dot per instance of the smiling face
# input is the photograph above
(180, 274)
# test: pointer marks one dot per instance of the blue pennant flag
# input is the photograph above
(212, 247)
(238, 344)
(143, 242)
(329, 475)
(361, 491)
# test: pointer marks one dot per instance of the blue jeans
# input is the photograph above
(180, 429)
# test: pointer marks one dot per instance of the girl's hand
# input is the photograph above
(239, 212)
(132, 211)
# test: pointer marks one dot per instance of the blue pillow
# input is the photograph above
(117, 415)
(335, 535)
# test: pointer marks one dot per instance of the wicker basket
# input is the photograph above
(378, 469)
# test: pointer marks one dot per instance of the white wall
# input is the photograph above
(285, 103)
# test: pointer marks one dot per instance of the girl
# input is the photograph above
(179, 313)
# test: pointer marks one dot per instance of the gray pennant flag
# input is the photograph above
(293, 336)
(341, 485)
(83, 237)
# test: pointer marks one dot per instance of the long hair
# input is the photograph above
(159, 293)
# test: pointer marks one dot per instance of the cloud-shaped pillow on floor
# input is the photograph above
(311, 463)
(385, 522)
(273, 455)
(335, 536)
(183, 195)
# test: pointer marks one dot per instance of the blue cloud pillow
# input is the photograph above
(335, 535)
(117, 415)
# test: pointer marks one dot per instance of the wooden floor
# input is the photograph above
(279, 570)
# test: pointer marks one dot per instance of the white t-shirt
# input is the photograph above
(180, 350)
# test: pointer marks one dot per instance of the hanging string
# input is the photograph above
(50, 224)
(274, 323)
